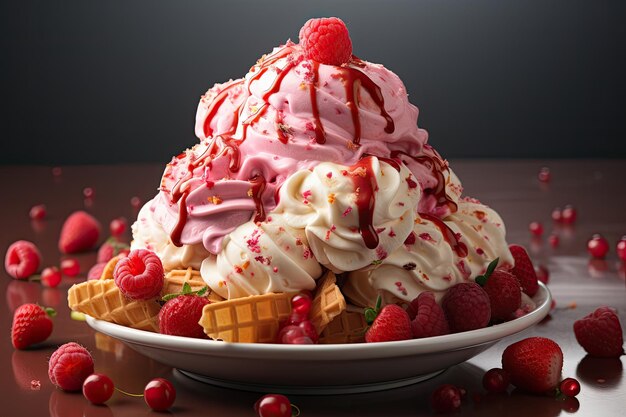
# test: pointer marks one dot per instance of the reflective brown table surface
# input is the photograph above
(596, 188)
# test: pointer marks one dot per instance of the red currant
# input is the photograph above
(553, 240)
(598, 246)
(496, 380)
(88, 192)
(536, 228)
(570, 387)
(38, 212)
(118, 226)
(557, 215)
(51, 277)
(159, 394)
(543, 274)
(301, 305)
(544, 175)
(445, 399)
(98, 388)
(621, 248)
(57, 171)
(273, 405)
(70, 267)
(569, 215)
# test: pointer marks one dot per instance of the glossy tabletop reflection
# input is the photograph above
(595, 188)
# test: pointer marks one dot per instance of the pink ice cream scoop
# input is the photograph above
(287, 114)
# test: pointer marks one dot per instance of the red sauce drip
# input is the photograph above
(182, 220)
(459, 247)
(395, 163)
(258, 186)
(365, 183)
(353, 79)
(437, 167)
(320, 135)
(282, 135)
(215, 105)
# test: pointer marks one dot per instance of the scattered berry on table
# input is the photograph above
(95, 272)
(534, 364)
(569, 387)
(38, 212)
(557, 215)
(273, 405)
(467, 307)
(70, 267)
(98, 388)
(446, 398)
(544, 175)
(22, 259)
(496, 380)
(51, 277)
(80, 232)
(569, 215)
(139, 275)
(117, 226)
(554, 240)
(88, 192)
(621, 248)
(112, 247)
(159, 394)
(600, 333)
(536, 228)
(69, 366)
(598, 246)
(31, 325)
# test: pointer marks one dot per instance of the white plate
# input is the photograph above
(319, 369)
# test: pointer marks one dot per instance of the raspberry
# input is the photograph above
(326, 40)
(429, 318)
(503, 289)
(467, 307)
(180, 316)
(600, 333)
(22, 259)
(69, 366)
(524, 270)
(140, 275)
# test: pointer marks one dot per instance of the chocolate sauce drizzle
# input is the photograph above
(227, 143)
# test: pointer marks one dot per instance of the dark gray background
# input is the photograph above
(118, 81)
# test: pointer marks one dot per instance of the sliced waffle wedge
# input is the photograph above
(101, 299)
(107, 272)
(253, 319)
(176, 278)
(348, 327)
(328, 302)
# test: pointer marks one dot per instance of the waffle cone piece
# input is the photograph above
(253, 319)
(101, 299)
(328, 302)
(347, 327)
(176, 278)
(107, 272)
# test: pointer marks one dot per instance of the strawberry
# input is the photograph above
(326, 40)
(428, 317)
(31, 324)
(181, 313)
(111, 248)
(503, 289)
(22, 259)
(534, 364)
(600, 333)
(387, 324)
(524, 270)
(80, 232)
(467, 307)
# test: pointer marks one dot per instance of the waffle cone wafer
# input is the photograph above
(101, 299)
(348, 327)
(253, 319)
(107, 272)
(328, 302)
(176, 278)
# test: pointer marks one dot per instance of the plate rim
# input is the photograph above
(351, 351)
